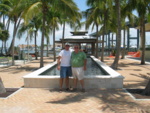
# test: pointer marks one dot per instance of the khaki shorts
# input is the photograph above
(78, 72)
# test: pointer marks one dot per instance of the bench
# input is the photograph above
(26, 58)
(4, 61)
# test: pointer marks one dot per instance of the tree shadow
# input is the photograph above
(31, 66)
(109, 99)
(14, 70)
(136, 83)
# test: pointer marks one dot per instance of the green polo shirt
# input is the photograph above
(77, 59)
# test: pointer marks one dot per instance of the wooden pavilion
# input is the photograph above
(80, 37)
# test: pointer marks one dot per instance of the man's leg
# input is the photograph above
(67, 82)
(61, 83)
(75, 81)
(62, 76)
(82, 83)
(68, 73)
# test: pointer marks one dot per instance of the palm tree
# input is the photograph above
(125, 13)
(93, 16)
(36, 22)
(118, 43)
(38, 7)
(4, 18)
(43, 7)
(29, 30)
(1, 35)
(54, 20)
(4, 35)
(106, 21)
(73, 21)
(142, 8)
(15, 9)
(100, 14)
(2, 88)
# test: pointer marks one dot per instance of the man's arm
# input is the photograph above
(85, 61)
(58, 62)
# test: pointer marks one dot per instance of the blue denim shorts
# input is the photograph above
(65, 72)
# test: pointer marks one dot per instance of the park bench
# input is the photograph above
(26, 58)
(4, 61)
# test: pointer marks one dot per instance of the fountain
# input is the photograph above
(109, 78)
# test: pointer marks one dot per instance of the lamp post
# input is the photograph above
(35, 30)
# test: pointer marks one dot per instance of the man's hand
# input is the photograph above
(84, 68)
(58, 67)
(58, 63)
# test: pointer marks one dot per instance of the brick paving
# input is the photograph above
(37, 100)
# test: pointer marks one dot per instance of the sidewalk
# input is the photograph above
(36, 100)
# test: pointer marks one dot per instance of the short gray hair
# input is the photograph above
(76, 45)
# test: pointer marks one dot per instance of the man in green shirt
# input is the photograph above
(78, 63)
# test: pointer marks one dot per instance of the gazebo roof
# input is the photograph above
(78, 33)
(78, 37)
(70, 40)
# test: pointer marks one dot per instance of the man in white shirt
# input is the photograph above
(64, 66)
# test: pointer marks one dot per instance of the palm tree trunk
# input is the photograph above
(104, 29)
(2, 88)
(8, 24)
(112, 49)
(147, 89)
(123, 51)
(63, 35)
(96, 40)
(54, 51)
(102, 52)
(27, 46)
(42, 39)
(143, 41)
(11, 48)
(7, 28)
(2, 48)
(115, 63)
(47, 41)
(35, 47)
(5, 48)
(4, 20)
(13, 44)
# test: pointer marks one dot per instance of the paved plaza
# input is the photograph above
(37, 100)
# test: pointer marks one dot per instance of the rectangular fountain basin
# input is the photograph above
(112, 80)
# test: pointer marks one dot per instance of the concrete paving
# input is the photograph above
(36, 100)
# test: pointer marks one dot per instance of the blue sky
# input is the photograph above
(82, 6)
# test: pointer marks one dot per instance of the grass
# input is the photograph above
(10, 58)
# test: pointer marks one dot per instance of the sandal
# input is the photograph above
(67, 89)
(74, 90)
(60, 90)
(83, 90)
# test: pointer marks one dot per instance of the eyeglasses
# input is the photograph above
(75, 47)
(67, 45)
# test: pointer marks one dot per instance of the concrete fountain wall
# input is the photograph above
(112, 80)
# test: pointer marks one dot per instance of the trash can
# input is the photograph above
(16, 57)
(22, 55)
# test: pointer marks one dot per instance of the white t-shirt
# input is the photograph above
(65, 57)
